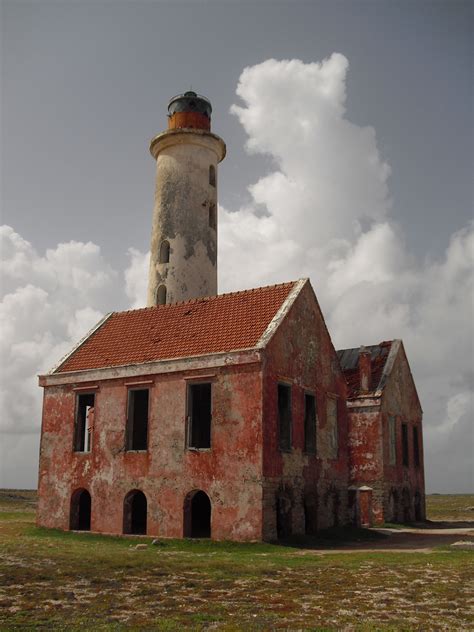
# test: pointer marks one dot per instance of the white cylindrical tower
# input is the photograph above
(183, 261)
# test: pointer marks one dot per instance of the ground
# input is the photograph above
(388, 579)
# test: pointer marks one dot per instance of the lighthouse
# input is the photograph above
(183, 253)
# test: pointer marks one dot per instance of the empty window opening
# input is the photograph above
(284, 416)
(332, 427)
(165, 252)
(80, 514)
(392, 440)
(134, 513)
(137, 419)
(161, 295)
(197, 515)
(212, 175)
(283, 516)
(309, 423)
(84, 422)
(416, 446)
(199, 415)
(212, 217)
(405, 457)
(310, 505)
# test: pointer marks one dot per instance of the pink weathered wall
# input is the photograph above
(229, 472)
(401, 400)
(301, 354)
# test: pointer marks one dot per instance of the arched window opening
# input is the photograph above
(283, 516)
(212, 175)
(80, 514)
(134, 513)
(164, 252)
(197, 515)
(161, 295)
(212, 216)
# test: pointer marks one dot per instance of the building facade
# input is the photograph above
(228, 416)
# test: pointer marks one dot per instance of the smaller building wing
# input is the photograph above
(216, 324)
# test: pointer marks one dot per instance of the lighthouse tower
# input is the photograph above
(183, 261)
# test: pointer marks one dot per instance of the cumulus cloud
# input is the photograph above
(324, 211)
(48, 303)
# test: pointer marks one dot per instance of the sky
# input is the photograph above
(349, 132)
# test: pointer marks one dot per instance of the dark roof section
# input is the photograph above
(216, 324)
(349, 360)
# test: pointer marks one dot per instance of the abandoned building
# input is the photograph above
(228, 416)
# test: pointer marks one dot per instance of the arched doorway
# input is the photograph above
(283, 515)
(310, 506)
(406, 505)
(134, 513)
(197, 515)
(80, 514)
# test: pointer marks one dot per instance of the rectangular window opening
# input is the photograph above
(310, 421)
(416, 446)
(284, 417)
(137, 419)
(84, 422)
(332, 423)
(199, 415)
(392, 440)
(405, 458)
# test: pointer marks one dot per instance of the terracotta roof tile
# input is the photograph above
(222, 323)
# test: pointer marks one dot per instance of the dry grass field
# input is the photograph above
(344, 580)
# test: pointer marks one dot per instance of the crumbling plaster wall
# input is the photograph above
(366, 451)
(400, 400)
(230, 472)
(301, 354)
(183, 197)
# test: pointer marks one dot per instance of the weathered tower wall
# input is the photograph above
(183, 261)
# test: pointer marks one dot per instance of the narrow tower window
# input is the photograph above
(212, 176)
(165, 252)
(212, 216)
(161, 295)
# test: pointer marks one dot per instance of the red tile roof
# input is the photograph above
(215, 324)
(349, 359)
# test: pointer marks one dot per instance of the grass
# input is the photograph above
(56, 580)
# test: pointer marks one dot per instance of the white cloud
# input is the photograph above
(136, 277)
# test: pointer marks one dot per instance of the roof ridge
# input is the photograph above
(383, 343)
(203, 299)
